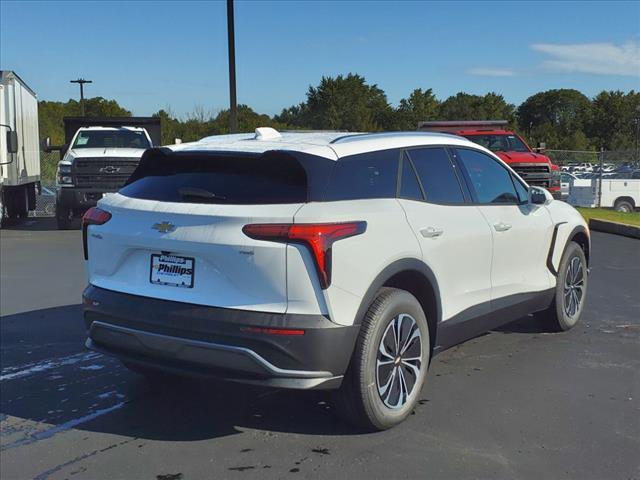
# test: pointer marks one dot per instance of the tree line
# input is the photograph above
(562, 118)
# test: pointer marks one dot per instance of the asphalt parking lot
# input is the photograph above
(516, 403)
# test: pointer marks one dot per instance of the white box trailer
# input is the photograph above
(19, 146)
(622, 194)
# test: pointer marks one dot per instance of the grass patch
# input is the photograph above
(610, 215)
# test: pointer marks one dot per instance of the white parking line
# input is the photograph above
(12, 373)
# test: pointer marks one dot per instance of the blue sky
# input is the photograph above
(150, 55)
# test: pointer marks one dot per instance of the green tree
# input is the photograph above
(464, 106)
(347, 103)
(50, 115)
(422, 105)
(565, 113)
(612, 123)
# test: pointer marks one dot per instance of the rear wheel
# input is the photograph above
(624, 206)
(389, 364)
(570, 292)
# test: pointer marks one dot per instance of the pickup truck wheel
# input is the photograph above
(64, 217)
(570, 293)
(623, 206)
(389, 364)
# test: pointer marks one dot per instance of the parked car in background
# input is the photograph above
(324, 260)
(98, 157)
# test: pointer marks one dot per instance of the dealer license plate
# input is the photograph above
(172, 270)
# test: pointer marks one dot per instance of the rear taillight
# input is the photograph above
(93, 216)
(318, 237)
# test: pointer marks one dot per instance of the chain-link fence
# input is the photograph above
(614, 162)
(46, 201)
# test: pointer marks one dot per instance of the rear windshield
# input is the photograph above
(219, 179)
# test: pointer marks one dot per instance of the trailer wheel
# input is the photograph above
(623, 205)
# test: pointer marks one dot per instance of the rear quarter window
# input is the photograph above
(367, 175)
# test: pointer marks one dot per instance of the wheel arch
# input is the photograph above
(414, 276)
(625, 198)
(578, 234)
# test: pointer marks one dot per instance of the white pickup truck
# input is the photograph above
(621, 194)
(99, 156)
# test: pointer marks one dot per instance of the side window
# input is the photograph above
(409, 186)
(436, 173)
(367, 175)
(490, 180)
(521, 190)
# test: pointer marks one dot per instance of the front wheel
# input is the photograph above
(64, 217)
(571, 290)
(389, 365)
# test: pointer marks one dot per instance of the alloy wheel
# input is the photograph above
(399, 361)
(573, 287)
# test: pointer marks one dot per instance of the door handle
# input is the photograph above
(501, 227)
(431, 232)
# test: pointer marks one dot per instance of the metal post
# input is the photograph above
(81, 81)
(233, 112)
(600, 177)
(637, 153)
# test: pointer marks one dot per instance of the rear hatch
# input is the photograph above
(175, 231)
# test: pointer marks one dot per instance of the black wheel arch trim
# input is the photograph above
(570, 237)
(402, 265)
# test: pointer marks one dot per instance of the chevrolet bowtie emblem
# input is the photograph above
(164, 227)
(109, 169)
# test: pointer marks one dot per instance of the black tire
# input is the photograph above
(561, 316)
(360, 400)
(624, 206)
(64, 217)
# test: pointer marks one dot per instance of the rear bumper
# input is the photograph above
(209, 341)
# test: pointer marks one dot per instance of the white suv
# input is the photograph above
(324, 260)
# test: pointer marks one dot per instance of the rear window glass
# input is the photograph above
(367, 175)
(219, 179)
(409, 187)
(435, 170)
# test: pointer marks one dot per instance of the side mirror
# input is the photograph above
(177, 141)
(542, 146)
(539, 196)
(45, 144)
(12, 141)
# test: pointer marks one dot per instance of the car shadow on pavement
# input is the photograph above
(528, 324)
(51, 383)
(36, 224)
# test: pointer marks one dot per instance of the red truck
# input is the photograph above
(534, 168)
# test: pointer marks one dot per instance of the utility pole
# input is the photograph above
(81, 82)
(233, 117)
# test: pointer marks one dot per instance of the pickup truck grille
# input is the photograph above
(538, 174)
(105, 174)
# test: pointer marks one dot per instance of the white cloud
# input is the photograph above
(595, 58)
(491, 72)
